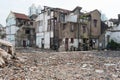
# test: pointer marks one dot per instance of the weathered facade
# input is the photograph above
(19, 30)
(95, 27)
(63, 29)
(84, 33)
(25, 36)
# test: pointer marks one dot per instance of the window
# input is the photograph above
(48, 26)
(62, 17)
(84, 29)
(95, 22)
(31, 23)
(51, 23)
(27, 31)
(42, 40)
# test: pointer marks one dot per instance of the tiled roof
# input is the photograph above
(21, 16)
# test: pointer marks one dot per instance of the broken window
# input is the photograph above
(31, 23)
(27, 31)
(95, 22)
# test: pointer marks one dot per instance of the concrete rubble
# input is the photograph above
(35, 64)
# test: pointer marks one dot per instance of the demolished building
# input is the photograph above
(20, 30)
(63, 29)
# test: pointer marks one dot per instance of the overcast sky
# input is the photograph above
(110, 7)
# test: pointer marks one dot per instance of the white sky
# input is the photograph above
(110, 7)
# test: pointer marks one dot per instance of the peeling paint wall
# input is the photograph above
(11, 28)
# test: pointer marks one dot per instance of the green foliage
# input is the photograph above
(83, 17)
(112, 45)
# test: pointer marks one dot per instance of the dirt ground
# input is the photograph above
(36, 64)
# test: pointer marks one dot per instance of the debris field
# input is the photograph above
(35, 64)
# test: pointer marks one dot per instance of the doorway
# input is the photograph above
(66, 44)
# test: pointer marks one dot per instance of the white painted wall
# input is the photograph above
(43, 33)
(11, 28)
(39, 37)
(110, 23)
(114, 35)
(47, 40)
(11, 38)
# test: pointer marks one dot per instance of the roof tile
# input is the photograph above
(21, 16)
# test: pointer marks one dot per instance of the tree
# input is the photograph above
(112, 45)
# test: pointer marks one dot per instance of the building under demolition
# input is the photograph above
(55, 28)
(68, 30)
(20, 30)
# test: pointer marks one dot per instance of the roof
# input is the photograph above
(63, 10)
(94, 11)
(114, 20)
(21, 16)
(78, 7)
(58, 9)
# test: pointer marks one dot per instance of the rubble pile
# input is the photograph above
(4, 57)
(42, 65)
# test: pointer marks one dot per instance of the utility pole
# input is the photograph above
(90, 42)
(78, 35)
(54, 29)
(55, 40)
